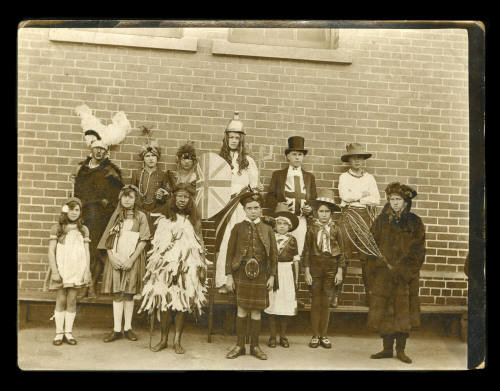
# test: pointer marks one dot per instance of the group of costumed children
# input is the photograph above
(154, 248)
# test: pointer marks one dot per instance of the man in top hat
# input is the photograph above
(294, 187)
(359, 196)
(97, 184)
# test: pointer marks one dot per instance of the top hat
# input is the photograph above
(355, 149)
(296, 143)
(325, 196)
(282, 211)
(235, 125)
(405, 191)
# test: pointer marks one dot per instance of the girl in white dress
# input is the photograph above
(244, 174)
(69, 260)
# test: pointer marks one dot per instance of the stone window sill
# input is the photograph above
(141, 41)
(222, 47)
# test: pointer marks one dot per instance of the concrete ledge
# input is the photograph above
(99, 38)
(223, 47)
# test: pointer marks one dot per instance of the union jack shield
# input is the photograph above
(213, 187)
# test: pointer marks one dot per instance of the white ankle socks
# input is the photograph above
(128, 310)
(117, 315)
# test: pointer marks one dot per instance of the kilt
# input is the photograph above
(251, 294)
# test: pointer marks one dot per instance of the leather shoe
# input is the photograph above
(130, 335)
(113, 336)
(325, 342)
(58, 341)
(68, 338)
(255, 351)
(284, 342)
(314, 343)
(272, 342)
(236, 352)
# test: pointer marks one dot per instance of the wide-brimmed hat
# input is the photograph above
(355, 149)
(282, 211)
(235, 125)
(296, 143)
(405, 191)
(325, 196)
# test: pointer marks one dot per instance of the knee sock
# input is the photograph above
(254, 332)
(283, 324)
(117, 315)
(68, 322)
(128, 309)
(59, 318)
(241, 327)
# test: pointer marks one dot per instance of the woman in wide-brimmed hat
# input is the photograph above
(400, 237)
(283, 302)
(359, 197)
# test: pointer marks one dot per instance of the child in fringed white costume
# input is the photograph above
(283, 301)
(175, 279)
(124, 241)
(69, 260)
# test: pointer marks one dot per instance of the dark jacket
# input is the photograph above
(401, 242)
(157, 180)
(94, 184)
(238, 244)
(277, 187)
(311, 245)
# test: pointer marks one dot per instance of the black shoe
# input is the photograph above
(236, 352)
(314, 343)
(130, 335)
(58, 341)
(255, 351)
(325, 342)
(68, 338)
(284, 342)
(113, 336)
(272, 342)
(403, 357)
(383, 354)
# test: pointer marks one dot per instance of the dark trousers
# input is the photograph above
(323, 271)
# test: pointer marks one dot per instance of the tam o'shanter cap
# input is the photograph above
(296, 143)
(355, 149)
(235, 125)
(325, 196)
(251, 196)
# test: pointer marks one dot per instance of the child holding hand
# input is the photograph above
(69, 260)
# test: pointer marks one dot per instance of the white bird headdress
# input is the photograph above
(94, 129)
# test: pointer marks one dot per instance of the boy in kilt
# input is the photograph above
(251, 266)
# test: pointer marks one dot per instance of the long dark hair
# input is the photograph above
(242, 152)
(63, 220)
(170, 210)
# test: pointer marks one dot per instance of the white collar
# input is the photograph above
(281, 236)
(256, 221)
(294, 170)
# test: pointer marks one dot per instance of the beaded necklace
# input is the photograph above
(356, 175)
(143, 195)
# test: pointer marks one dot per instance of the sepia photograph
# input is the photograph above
(250, 195)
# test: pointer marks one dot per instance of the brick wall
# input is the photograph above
(404, 96)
